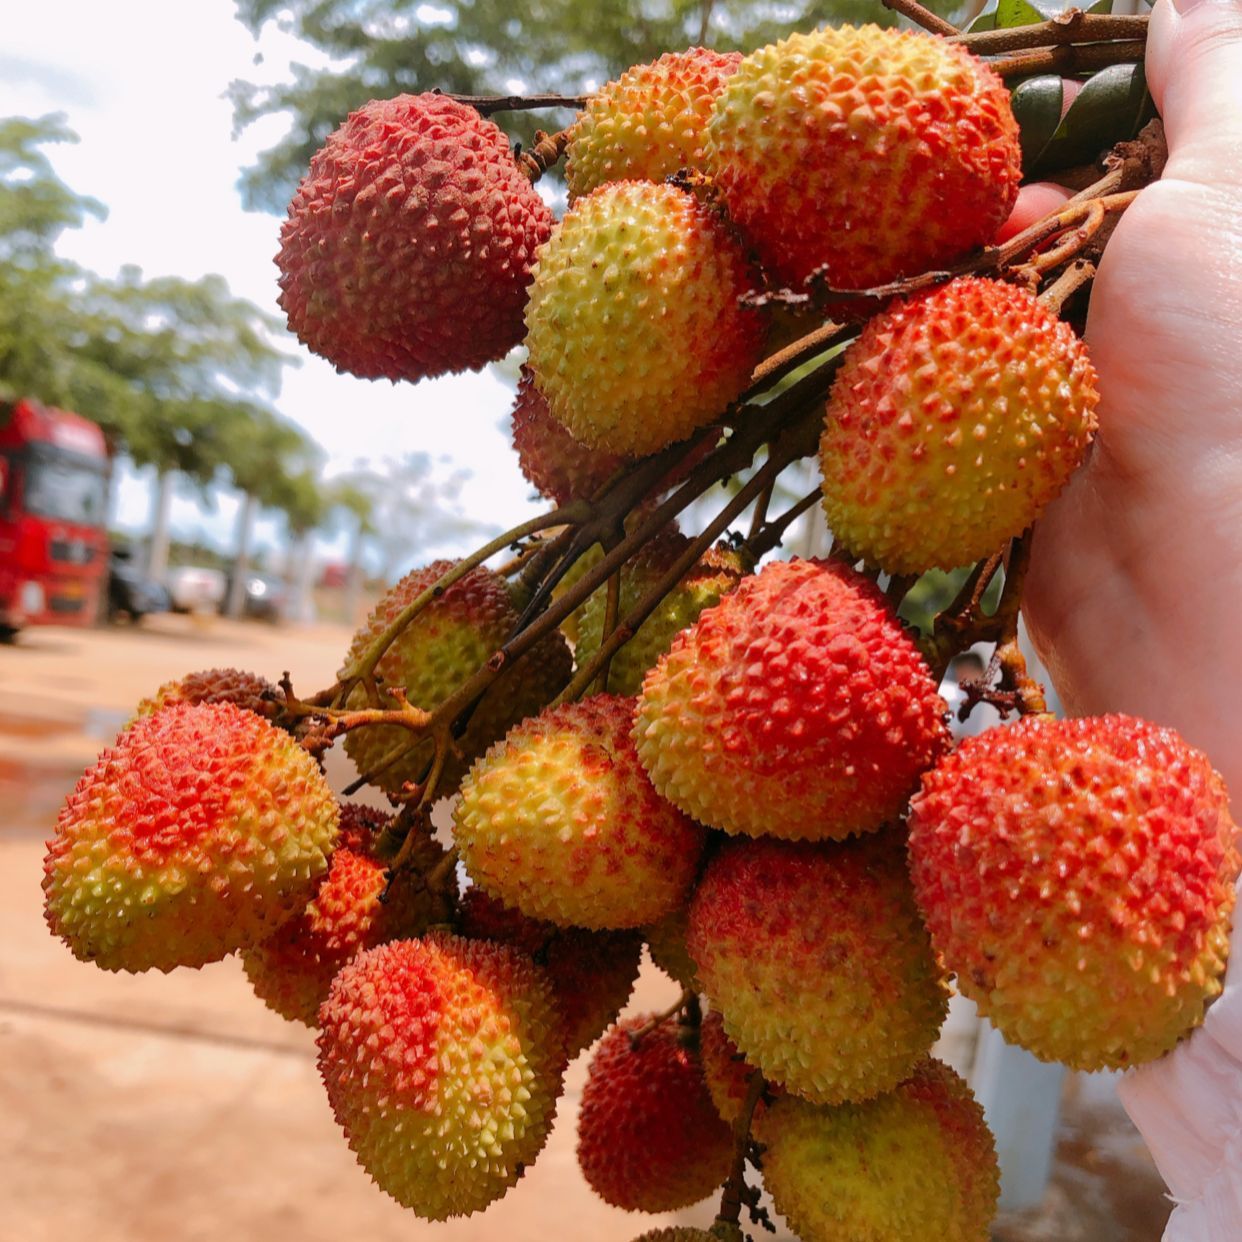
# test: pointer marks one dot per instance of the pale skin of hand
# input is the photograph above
(1134, 599)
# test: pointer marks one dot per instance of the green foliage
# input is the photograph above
(381, 48)
(175, 371)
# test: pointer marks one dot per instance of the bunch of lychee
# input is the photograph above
(759, 781)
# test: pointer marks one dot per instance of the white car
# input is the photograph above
(194, 588)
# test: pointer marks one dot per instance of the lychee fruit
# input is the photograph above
(441, 1058)
(449, 641)
(797, 707)
(650, 122)
(726, 1071)
(666, 942)
(354, 908)
(199, 831)
(635, 329)
(917, 1164)
(815, 956)
(551, 460)
(678, 1233)
(972, 401)
(864, 155)
(559, 821)
(649, 1137)
(1078, 878)
(216, 685)
(409, 244)
(717, 573)
(592, 973)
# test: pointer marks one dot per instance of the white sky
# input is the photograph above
(141, 81)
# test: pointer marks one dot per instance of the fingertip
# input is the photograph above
(1034, 202)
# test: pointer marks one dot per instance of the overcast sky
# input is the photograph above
(141, 81)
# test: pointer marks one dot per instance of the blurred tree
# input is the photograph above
(264, 452)
(353, 506)
(381, 48)
(170, 368)
(305, 505)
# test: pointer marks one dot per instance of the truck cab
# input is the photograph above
(53, 501)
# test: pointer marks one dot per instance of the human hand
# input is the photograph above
(1135, 593)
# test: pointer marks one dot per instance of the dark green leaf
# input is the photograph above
(1037, 106)
(1113, 106)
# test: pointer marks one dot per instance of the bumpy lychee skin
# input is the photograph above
(650, 122)
(634, 326)
(973, 402)
(864, 154)
(445, 645)
(409, 244)
(199, 831)
(677, 1233)
(1078, 878)
(706, 583)
(816, 959)
(292, 970)
(592, 973)
(726, 1072)
(797, 707)
(442, 1063)
(559, 821)
(216, 685)
(915, 1165)
(649, 1137)
(666, 942)
(551, 460)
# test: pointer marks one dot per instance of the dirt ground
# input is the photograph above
(178, 1108)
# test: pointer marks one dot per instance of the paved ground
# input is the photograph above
(178, 1108)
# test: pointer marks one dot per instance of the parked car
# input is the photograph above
(194, 588)
(130, 592)
(264, 599)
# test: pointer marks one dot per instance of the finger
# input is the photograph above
(1194, 68)
(1034, 202)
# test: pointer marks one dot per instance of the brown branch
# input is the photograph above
(1067, 284)
(770, 534)
(546, 151)
(612, 607)
(487, 104)
(659, 1019)
(921, 16)
(1073, 26)
(735, 1186)
(1068, 59)
(776, 366)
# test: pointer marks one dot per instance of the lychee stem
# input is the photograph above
(1068, 59)
(1072, 26)
(921, 16)
(735, 1186)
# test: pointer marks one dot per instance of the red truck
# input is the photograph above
(53, 498)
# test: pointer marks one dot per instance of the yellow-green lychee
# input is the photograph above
(650, 122)
(863, 155)
(559, 821)
(917, 1164)
(703, 585)
(449, 641)
(635, 327)
(816, 958)
(972, 402)
(442, 1064)
(198, 832)
(1078, 876)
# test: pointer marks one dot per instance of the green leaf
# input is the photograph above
(1037, 104)
(1113, 106)
(1026, 12)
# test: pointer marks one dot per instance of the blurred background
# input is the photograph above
(182, 486)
